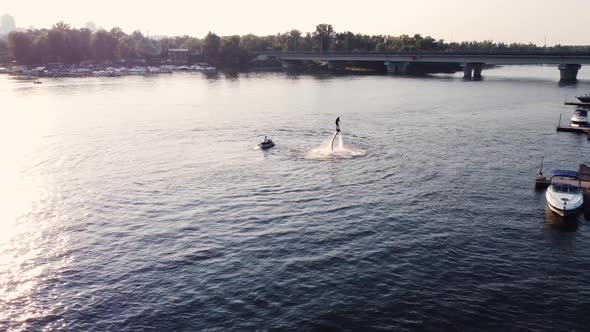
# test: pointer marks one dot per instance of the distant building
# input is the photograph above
(90, 26)
(178, 55)
(7, 24)
(158, 37)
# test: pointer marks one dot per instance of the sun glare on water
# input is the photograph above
(28, 219)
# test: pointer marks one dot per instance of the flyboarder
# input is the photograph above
(337, 131)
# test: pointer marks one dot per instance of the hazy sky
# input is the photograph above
(563, 22)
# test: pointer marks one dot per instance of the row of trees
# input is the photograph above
(4, 54)
(62, 43)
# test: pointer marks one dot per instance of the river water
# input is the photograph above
(141, 203)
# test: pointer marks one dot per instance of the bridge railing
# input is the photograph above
(432, 53)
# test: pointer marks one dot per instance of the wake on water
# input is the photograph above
(324, 151)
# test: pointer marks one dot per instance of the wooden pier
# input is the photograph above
(577, 103)
(570, 129)
(584, 172)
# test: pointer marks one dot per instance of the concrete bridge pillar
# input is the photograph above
(569, 72)
(472, 71)
(467, 71)
(397, 68)
(477, 71)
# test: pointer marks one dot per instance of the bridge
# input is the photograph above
(472, 64)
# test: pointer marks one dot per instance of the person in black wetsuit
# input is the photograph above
(337, 131)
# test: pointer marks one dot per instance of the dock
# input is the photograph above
(584, 172)
(570, 129)
(577, 103)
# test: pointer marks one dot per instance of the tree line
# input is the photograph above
(65, 44)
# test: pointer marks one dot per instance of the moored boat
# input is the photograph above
(580, 118)
(564, 195)
(585, 98)
(205, 67)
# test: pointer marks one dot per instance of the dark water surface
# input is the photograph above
(141, 204)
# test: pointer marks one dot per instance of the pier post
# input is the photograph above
(569, 72)
(396, 68)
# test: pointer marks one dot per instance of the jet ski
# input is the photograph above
(266, 144)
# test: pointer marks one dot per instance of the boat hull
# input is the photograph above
(577, 121)
(555, 201)
(562, 212)
(264, 146)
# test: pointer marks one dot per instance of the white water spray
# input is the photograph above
(324, 151)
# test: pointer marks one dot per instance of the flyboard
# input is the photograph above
(334, 138)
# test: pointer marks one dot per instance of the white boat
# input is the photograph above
(580, 118)
(564, 195)
(205, 67)
(158, 70)
(137, 71)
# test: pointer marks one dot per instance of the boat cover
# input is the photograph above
(566, 173)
